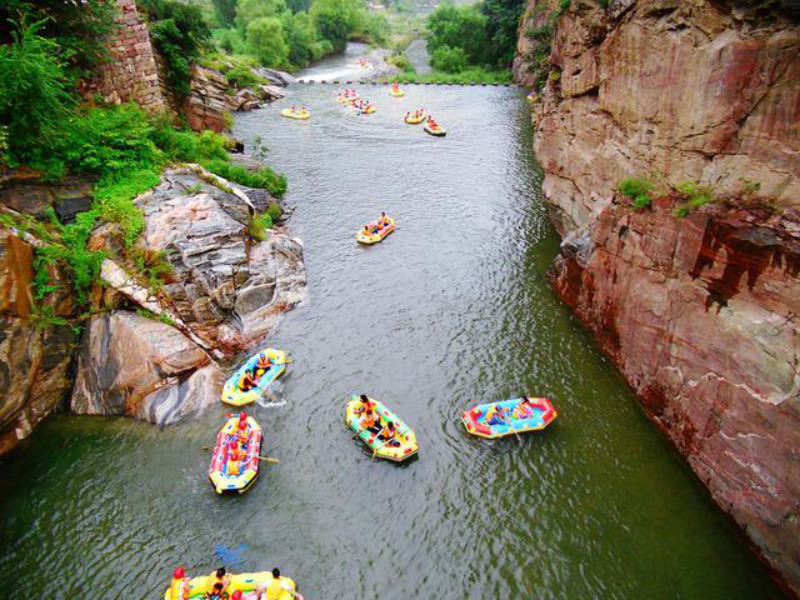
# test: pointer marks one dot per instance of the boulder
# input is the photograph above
(24, 190)
(271, 92)
(275, 77)
(207, 102)
(132, 365)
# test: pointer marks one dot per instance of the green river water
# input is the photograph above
(451, 310)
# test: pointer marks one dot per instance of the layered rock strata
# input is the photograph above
(699, 313)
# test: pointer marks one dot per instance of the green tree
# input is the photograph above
(337, 19)
(265, 41)
(225, 11)
(33, 92)
(250, 10)
(463, 27)
(449, 60)
(503, 18)
(300, 37)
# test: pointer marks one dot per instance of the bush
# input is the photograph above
(694, 195)
(300, 37)
(265, 42)
(274, 211)
(33, 95)
(449, 60)
(401, 61)
(463, 27)
(335, 20)
(264, 178)
(179, 33)
(225, 11)
(638, 190)
(502, 21)
(259, 225)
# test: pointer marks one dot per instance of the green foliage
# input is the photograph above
(300, 37)
(502, 21)
(638, 190)
(374, 29)
(265, 41)
(33, 93)
(259, 224)
(459, 27)
(250, 10)
(79, 28)
(225, 11)
(471, 75)
(401, 61)
(563, 6)
(152, 267)
(179, 32)
(693, 195)
(264, 178)
(449, 60)
(335, 20)
(274, 211)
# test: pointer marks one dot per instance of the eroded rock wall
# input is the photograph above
(699, 313)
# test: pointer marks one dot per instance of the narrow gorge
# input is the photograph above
(696, 303)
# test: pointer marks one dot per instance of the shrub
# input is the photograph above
(264, 178)
(225, 11)
(33, 94)
(259, 225)
(401, 61)
(274, 211)
(638, 190)
(335, 20)
(464, 27)
(693, 196)
(449, 60)
(300, 37)
(502, 21)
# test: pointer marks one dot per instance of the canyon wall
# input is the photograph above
(699, 312)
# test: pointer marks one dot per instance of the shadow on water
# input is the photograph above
(450, 310)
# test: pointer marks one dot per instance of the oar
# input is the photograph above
(269, 459)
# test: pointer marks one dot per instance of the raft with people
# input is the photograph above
(434, 129)
(348, 96)
(396, 91)
(375, 232)
(300, 114)
(380, 429)
(364, 107)
(241, 586)
(416, 117)
(499, 419)
(234, 462)
(248, 383)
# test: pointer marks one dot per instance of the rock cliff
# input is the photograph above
(147, 353)
(699, 313)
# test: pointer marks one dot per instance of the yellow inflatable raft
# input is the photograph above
(377, 234)
(234, 395)
(435, 130)
(412, 120)
(300, 115)
(402, 447)
(221, 473)
(191, 588)
(396, 92)
(348, 99)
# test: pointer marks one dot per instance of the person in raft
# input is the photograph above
(234, 464)
(382, 221)
(496, 416)
(218, 585)
(247, 382)
(263, 365)
(370, 421)
(388, 434)
(180, 586)
(243, 431)
(523, 410)
(366, 405)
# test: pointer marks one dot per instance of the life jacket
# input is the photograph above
(275, 590)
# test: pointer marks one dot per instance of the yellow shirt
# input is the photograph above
(275, 590)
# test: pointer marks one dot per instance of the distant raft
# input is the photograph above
(300, 115)
(412, 120)
(402, 447)
(197, 588)
(348, 98)
(376, 233)
(365, 109)
(396, 92)
(234, 463)
(513, 417)
(234, 395)
(434, 129)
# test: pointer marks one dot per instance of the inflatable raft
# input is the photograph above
(367, 110)
(541, 415)
(402, 447)
(232, 394)
(435, 130)
(411, 120)
(348, 99)
(376, 237)
(191, 588)
(300, 115)
(397, 93)
(227, 475)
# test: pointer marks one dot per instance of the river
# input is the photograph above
(451, 310)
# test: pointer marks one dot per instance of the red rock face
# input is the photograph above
(700, 314)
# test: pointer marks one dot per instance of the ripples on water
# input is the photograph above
(450, 310)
